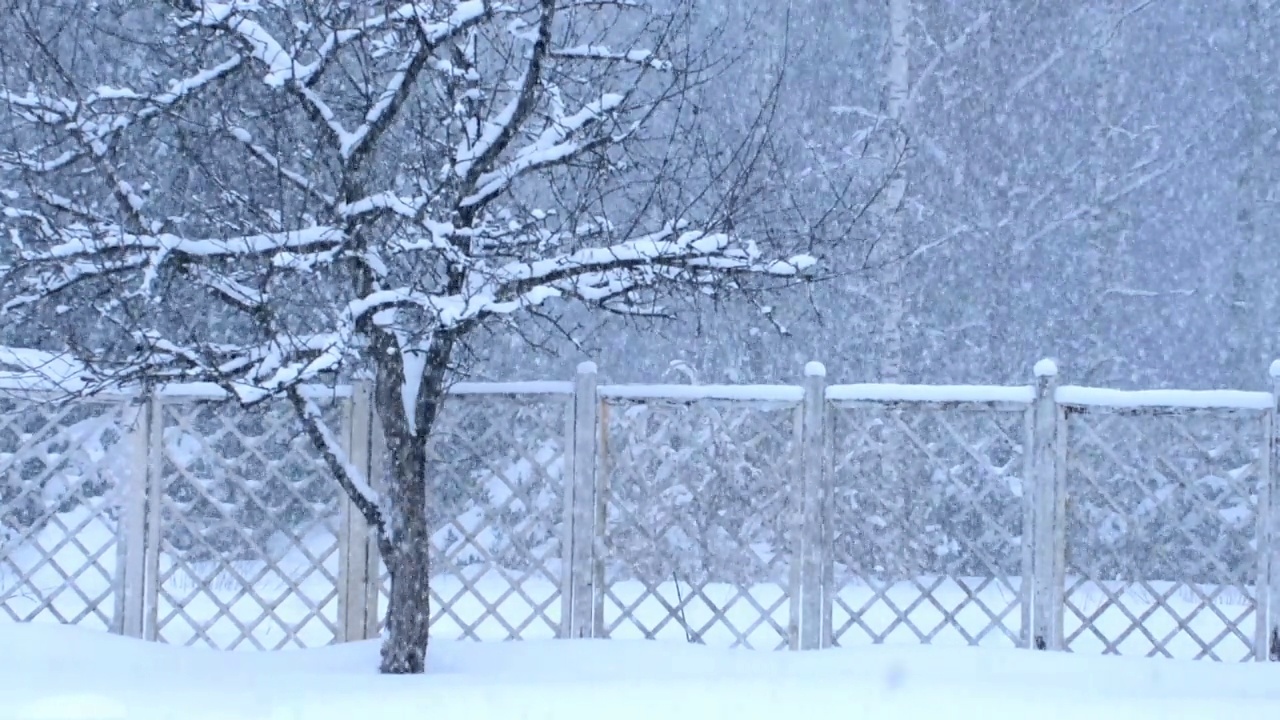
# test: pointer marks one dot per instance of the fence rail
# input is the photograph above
(771, 516)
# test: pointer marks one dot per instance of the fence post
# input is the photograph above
(131, 555)
(377, 469)
(353, 530)
(577, 579)
(1048, 532)
(807, 569)
(1268, 594)
(155, 490)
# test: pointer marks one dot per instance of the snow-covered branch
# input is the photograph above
(351, 478)
(81, 242)
(555, 145)
(669, 246)
(283, 70)
(95, 129)
(470, 161)
(641, 57)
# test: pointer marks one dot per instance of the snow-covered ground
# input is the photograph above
(50, 672)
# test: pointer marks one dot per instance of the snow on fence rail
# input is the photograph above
(768, 516)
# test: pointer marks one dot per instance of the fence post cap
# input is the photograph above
(813, 368)
(587, 367)
(1046, 368)
(1274, 370)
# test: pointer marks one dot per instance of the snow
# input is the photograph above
(531, 387)
(815, 369)
(39, 370)
(53, 671)
(768, 393)
(1191, 399)
(1045, 368)
(552, 146)
(91, 244)
(885, 392)
(603, 52)
(70, 673)
(415, 365)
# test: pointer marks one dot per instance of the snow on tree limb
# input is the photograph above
(442, 252)
(24, 368)
(83, 242)
(553, 146)
(471, 162)
(98, 129)
(283, 70)
(82, 253)
(602, 52)
(352, 479)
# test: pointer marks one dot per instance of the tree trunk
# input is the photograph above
(1104, 246)
(409, 564)
(1248, 340)
(907, 561)
(898, 93)
(409, 390)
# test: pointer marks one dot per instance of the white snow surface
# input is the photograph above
(50, 671)
(531, 387)
(1194, 399)
(1045, 368)
(767, 393)
(888, 392)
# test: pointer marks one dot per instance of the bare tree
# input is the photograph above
(293, 192)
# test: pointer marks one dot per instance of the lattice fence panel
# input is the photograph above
(63, 472)
(249, 528)
(1161, 533)
(929, 508)
(698, 543)
(497, 512)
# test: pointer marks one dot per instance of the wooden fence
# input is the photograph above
(769, 516)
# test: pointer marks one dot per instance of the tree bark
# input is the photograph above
(407, 420)
(1104, 247)
(894, 303)
(898, 94)
(409, 564)
(1248, 341)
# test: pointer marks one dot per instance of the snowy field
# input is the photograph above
(63, 673)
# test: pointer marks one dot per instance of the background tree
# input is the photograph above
(264, 195)
(1254, 294)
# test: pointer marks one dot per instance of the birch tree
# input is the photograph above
(369, 184)
(1252, 295)
(897, 97)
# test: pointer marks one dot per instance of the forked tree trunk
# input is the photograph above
(408, 411)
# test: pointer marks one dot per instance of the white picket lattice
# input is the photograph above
(63, 468)
(696, 537)
(756, 516)
(929, 509)
(1162, 533)
(248, 528)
